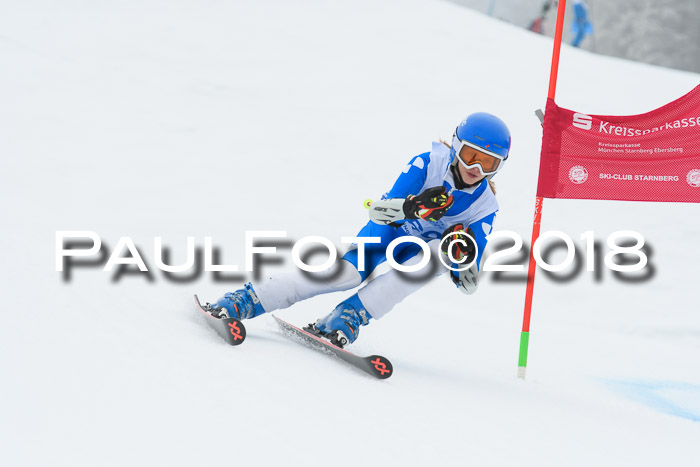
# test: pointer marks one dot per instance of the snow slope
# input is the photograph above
(178, 119)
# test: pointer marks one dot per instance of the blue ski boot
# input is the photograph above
(241, 304)
(342, 326)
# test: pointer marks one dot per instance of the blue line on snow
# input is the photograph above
(651, 395)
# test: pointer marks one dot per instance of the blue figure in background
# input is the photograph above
(581, 27)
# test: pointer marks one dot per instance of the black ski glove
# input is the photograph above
(461, 248)
(430, 205)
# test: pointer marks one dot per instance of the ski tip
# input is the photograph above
(231, 329)
(236, 330)
(380, 366)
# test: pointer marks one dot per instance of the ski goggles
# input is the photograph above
(472, 156)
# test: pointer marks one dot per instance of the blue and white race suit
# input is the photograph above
(473, 207)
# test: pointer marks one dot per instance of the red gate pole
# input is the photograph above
(532, 266)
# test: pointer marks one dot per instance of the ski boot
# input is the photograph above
(342, 326)
(241, 304)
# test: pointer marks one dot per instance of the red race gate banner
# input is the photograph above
(649, 157)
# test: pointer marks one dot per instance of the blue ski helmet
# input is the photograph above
(484, 132)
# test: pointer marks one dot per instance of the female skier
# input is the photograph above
(438, 194)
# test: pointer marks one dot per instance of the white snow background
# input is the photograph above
(182, 118)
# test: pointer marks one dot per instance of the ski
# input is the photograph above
(230, 329)
(375, 365)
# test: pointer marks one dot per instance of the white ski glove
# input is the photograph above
(467, 281)
(386, 211)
